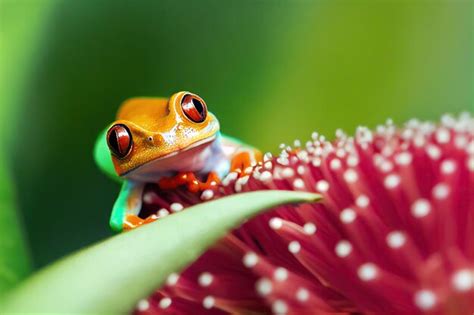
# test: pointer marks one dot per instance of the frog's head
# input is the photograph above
(150, 133)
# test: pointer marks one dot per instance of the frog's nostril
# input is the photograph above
(154, 140)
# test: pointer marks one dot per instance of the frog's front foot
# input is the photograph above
(132, 221)
(245, 159)
(187, 178)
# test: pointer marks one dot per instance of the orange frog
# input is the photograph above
(172, 142)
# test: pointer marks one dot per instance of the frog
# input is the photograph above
(171, 141)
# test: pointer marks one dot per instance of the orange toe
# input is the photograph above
(245, 159)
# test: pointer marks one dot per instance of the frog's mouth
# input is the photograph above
(189, 159)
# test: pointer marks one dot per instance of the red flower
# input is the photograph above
(394, 233)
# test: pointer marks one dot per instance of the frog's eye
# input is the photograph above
(119, 140)
(194, 108)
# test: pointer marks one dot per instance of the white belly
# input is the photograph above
(203, 158)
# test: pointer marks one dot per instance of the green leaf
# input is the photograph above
(14, 263)
(110, 277)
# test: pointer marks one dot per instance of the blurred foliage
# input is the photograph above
(17, 43)
(272, 71)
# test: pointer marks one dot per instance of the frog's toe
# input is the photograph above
(132, 221)
(211, 183)
(244, 160)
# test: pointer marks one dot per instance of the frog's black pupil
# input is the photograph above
(113, 142)
(199, 107)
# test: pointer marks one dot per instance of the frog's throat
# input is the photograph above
(195, 145)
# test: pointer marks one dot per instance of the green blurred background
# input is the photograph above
(271, 71)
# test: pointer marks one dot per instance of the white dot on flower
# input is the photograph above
(448, 167)
(266, 176)
(207, 194)
(208, 302)
(460, 141)
(172, 279)
(205, 279)
(352, 161)
(396, 239)
(302, 295)
(343, 248)
(280, 274)
(420, 208)
(440, 191)
(229, 178)
(367, 272)
(347, 215)
(448, 120)
(162, 213)
(340, 153)
(351, 176)
(250, 259)
(470, 164)
(340, 133)
(279, 307)
(386, 166)
(275, 223)
(443, 135)
(148, 197)
(364, 135)
(298, 183)
(433, 152)
(176, 207)
(164, 303)
(303, 155)
(425, 299)
(335, 164)
(264, 286)
(463, 280)
(362, 201)
(387, 150)
(322, 186)
(309, 228)
(300, 170)
(239, 183)
(407, 134)
(316, 162)
(403, 158)
(287, 172)
(419, 141)
(294, 247)
(470, 147)
(143, 305)
(391, 181)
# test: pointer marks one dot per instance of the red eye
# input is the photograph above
(119, 140)
(194, 108)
